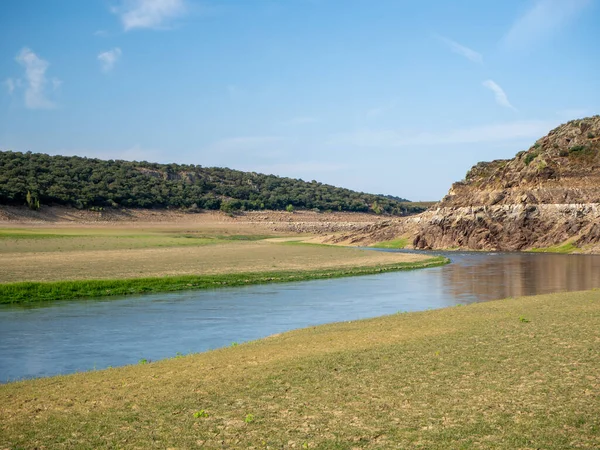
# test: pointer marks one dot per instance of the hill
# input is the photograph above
(38, 179)
(547, 197)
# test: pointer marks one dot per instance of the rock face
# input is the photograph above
(546, 196)
(560, 168)
(510, 227)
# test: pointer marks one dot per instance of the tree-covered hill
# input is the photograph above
(38, 179)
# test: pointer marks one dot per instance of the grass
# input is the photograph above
(26, 240)
(566, 248)
(31, 292)
(396, 243)
(478, 376)
(164, 250)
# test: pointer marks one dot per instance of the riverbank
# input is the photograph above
(33, 292)
(158, 250)
(515, 373)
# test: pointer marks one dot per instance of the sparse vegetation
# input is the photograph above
(577, 149)
(529, 157)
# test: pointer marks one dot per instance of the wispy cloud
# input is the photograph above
(35, 81)
(499, 94)
(11, 84)
(153, 14)
(544, 18)
(460, 49)
(109, 58)
(485, 133)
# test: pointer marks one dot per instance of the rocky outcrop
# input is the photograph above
(510, 227)
(546, 196)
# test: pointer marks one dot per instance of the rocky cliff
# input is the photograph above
(547, 196)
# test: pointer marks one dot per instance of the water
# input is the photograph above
(71, 336)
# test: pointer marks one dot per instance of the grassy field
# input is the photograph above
(61, 240)
(32, 292)
(64, 262)
(516, 373)
(109, 252)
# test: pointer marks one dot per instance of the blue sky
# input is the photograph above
(392, 97)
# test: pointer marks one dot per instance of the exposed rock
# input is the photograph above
(542, 197)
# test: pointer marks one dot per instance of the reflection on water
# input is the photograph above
(502, 275)
(66, 337)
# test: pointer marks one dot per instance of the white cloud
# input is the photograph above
(35, 80)
(109, 58)
(499, 94)
(543, 19)
(468, 53)
(153, 14)
(485, 133)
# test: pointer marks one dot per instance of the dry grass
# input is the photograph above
(518, 373)
(80, 253)
(220, 258)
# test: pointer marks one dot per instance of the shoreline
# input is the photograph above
(432, 371)
(28, 292)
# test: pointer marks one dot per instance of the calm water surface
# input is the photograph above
(71, 336)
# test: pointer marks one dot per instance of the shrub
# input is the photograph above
(530, 157)
(577, 148)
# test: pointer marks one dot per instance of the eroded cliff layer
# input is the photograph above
(544, 197)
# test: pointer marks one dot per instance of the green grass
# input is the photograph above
(566, 248)
(17, 235)
(396, 243)
(31, 292)
(474, 377)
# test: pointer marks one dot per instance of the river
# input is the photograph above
(71, 336)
